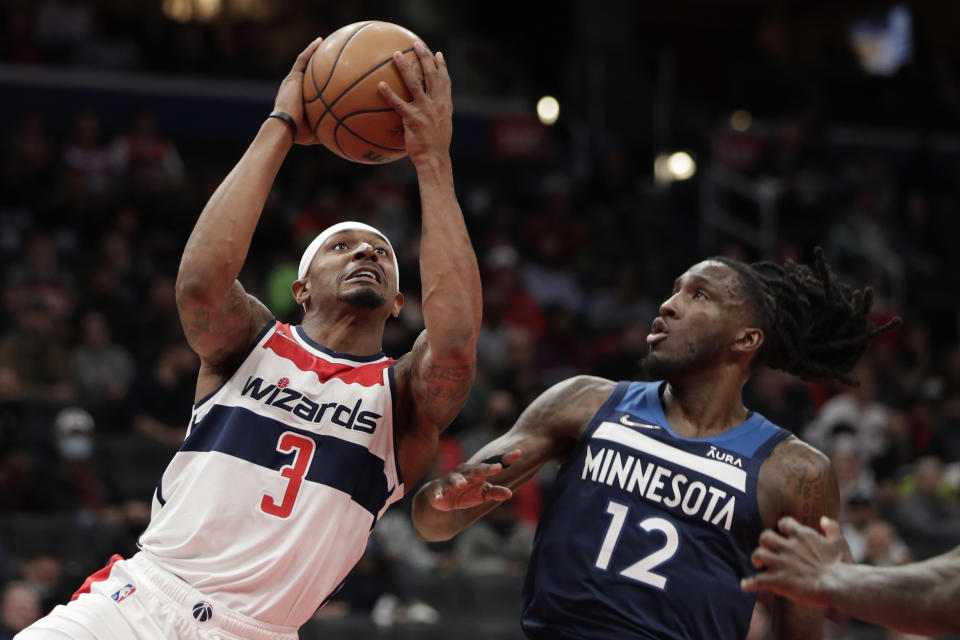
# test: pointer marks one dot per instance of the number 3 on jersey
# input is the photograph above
(640, 570)
(304, 447)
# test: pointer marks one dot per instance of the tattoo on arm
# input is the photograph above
(565, 409)
(218, 332)
(801, 482)
(447, 384)
(199, 324)
(809, 492)
(449, 374)
(807, 489)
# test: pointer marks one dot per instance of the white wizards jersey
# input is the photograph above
(285, 469)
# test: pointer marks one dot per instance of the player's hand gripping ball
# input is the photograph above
(341, 101)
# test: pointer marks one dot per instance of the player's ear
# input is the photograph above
(397, 305)
(748, 340)
(300, 291)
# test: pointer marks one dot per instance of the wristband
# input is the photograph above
(286, 117)
(495, 460)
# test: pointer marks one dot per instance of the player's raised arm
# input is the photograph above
(804, 479)
(545, 431)
(437, 374)
(219, 318)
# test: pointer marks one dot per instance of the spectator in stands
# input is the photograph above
(86, 152)
(856, 514)
(15, 463)
(498, 545)
(19, 608)
(43, 571)
(157, 316)
(783, 399)
(884, 548)
(618, 305)
(72, 481)
(929, 518)
(562, 350)
(507, 300)
(28, 160)
(18, 44)
(854, 476)
(149, 161)
(104, 371)
(63, 26)
(42, 276)
(621, 360)
(36, 354)
(946, 436)
(854, 413)
(163, 396)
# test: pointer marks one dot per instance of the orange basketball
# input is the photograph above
(341, 100)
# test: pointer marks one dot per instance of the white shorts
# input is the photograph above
(138, 600)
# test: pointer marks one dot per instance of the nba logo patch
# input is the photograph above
(202, 611)
(123, 592)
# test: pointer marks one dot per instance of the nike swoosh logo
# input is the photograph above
(630, 423)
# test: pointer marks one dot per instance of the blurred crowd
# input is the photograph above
(96, 380)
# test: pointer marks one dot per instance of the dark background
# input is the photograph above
(119, 119)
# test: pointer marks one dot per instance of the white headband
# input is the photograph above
(311, 251)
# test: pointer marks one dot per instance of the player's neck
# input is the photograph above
(357, 334)
(700, 406)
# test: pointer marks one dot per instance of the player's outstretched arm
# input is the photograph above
(218, 317)
(804, 487)
(814, 569)
(546, 430)
(438, 372)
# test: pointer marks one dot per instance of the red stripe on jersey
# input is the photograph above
(99, 576)
(368, 375)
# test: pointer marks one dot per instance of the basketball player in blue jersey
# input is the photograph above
(301, 436)
(665, 487)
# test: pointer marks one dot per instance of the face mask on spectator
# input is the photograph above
(76, 447)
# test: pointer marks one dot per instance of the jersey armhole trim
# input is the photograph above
(608, 405)
(393, 409)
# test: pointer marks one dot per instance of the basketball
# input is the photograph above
(341, 101)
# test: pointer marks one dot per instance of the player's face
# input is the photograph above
(357, 267)
(697, 322)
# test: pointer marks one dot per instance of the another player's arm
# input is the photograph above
(815, 569)
(546, 430)
(436, 375)
(921, 598)
(218, 317)
(804, 481)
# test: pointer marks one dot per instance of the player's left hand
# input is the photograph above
(797, 560)
(428, 117)
(467, 485)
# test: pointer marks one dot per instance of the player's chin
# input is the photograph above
(657, 365)
(363, 296)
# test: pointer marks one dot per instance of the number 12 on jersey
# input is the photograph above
(640, 570)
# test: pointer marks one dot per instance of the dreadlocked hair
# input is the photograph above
(815, 326)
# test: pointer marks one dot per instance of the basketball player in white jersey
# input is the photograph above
(301, 436)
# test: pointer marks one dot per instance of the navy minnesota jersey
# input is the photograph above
(647, 534)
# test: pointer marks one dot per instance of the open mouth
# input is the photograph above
(365, 274)
(658, 332)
